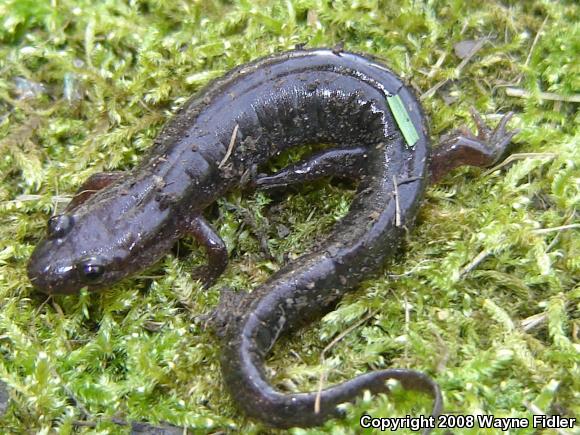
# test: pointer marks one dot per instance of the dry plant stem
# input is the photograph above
(329, 347)
(230, 146)
(522, 93)
(458, 69)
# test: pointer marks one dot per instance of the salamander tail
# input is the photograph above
(242, 362)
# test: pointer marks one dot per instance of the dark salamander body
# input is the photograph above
(120, 223)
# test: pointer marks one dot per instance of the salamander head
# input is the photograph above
(56, 266)
(96, 248)
(72, 256)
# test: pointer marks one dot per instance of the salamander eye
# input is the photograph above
(91, 271)
(59, 226)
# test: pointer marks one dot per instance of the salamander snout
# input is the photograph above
(50, 276)
(56, 265)
(62, 276)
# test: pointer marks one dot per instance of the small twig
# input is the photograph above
(519, 78)
(84, 423)
(472, 53)
(58, 309)
(409, 180)
(145, 106)
(397, 204)
(553, 243)
(82, 192)
(71, 395)
(249, 219)
(46, 301)
(520, 156)
(230, 146)
(279, 331)
(438, 64)
(522, 93)
(444, 354)
(433, 89)
(60, 313)
(458, 69)
(560, 228)
(533, 321)
(475, 262)
(536, 39)
(557, 236)
(24, 198)
(330, 346)
(55, 203)
(537, 411)
(113, 420)
(411, 271)
(407, 323)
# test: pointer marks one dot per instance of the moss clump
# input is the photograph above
(485, 297)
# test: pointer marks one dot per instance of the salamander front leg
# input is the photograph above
(464, 148)
(92, 185)
(215, 248)
(343, 162)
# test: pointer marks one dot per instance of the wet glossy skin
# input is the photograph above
(217, 142)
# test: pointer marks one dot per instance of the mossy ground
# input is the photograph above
(484, 298)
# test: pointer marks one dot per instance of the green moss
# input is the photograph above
(85, 86)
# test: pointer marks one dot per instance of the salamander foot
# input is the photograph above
(462, 147)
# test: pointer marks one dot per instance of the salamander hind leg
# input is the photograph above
(215, 248)
(342, 162)
(464, 148)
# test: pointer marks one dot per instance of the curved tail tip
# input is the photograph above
(419, 381)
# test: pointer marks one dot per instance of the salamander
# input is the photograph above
(122, 222)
